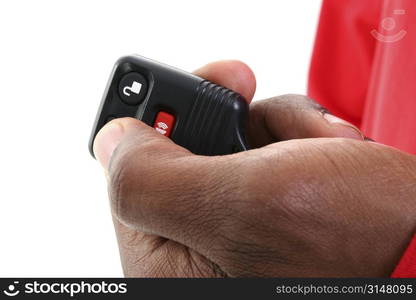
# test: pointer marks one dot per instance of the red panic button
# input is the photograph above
(164, 123)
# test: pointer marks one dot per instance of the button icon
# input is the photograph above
(164, 123)
(161, 127)
(132, 88)
(135, 88)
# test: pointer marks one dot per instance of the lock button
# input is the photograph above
(132, 88)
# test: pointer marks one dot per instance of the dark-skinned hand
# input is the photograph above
(312, 198)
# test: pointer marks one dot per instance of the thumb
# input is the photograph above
(132, 133)
(158, 187)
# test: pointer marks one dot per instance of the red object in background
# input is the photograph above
(363, 67)
(164, 123)
(407, 265)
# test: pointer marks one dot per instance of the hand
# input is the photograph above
(322, 202)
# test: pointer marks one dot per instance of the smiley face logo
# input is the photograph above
(389, 24)
(11, 290)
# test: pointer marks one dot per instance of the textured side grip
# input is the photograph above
(216, 121)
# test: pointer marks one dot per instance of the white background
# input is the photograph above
(55, 58)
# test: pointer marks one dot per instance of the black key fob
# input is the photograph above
(199, 115)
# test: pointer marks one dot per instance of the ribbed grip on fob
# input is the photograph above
(215, 124)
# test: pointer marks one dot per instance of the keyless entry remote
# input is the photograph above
(199, 115)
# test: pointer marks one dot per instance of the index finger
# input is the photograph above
(232, 74)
